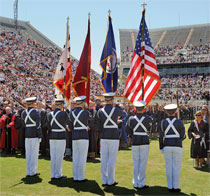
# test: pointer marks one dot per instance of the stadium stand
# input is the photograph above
(26, 30)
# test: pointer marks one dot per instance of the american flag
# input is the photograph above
(143, 65)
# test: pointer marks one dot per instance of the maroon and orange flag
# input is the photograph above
(81, 83)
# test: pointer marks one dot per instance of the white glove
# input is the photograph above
(162, 151)
(40, 139)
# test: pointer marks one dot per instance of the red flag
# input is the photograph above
(63, 74)
(81, 83)
(143, 61)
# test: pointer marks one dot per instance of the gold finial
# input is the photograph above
(68, 18)
(89, 15)
(109, 11)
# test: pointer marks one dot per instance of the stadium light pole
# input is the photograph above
(15, 6)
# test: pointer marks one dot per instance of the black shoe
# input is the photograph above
(36, 174)
(115, 183)
(135, 187)
(85, 180)
(177, 190)
(171, 190)
(62, 177)
(67, 157)
(145, 187)
(75, 180)
(104, 185)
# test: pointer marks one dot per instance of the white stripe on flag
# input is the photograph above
(133, 77)
(150, 59)
(149, 49)
(150, 89)
(151, 69)
(140, 92)
(135, 87)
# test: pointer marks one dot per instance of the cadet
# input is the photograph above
(56, 123)
(138, 127)
(173, 132)
(33, 134)
(80, 138)
(108, 118)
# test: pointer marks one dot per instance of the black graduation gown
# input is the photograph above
(93, 132)
(19, 124)
(45, 137)
(197, 149)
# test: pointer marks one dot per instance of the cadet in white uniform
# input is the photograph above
(108, 118)
(80, 138)
(56, 123)
(171, 134)
(32, 121)
(138, 127)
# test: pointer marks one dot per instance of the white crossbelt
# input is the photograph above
(171, 125)
(139, 124)
(33, 124)
(62, 128)
(109, 119)
(76, 120)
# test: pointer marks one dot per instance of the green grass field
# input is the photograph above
(13, 181)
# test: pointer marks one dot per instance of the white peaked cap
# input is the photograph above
(109, 95)
(59, 100)
(30, 99)
(139, 104)
(80, 98)
(170, 107)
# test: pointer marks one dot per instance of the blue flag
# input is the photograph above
(108, 62)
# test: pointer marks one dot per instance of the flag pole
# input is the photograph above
(84, 78)
(66, 50)
(142, 38)
(177, 100)
(109, 11)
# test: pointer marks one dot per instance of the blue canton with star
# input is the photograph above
(146, 38)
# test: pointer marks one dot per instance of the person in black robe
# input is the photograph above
(68, 152)
(197, 131)
(20, 126)
(44, 145)
(93, 125)
(1, 114)
(97, 106)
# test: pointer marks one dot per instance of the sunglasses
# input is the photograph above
(197, 115)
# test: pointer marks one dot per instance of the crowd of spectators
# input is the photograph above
(27, 68)
(175, 54)
(190, 87)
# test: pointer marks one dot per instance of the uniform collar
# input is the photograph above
(171, 117)
(139, 114)
(78, 108)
